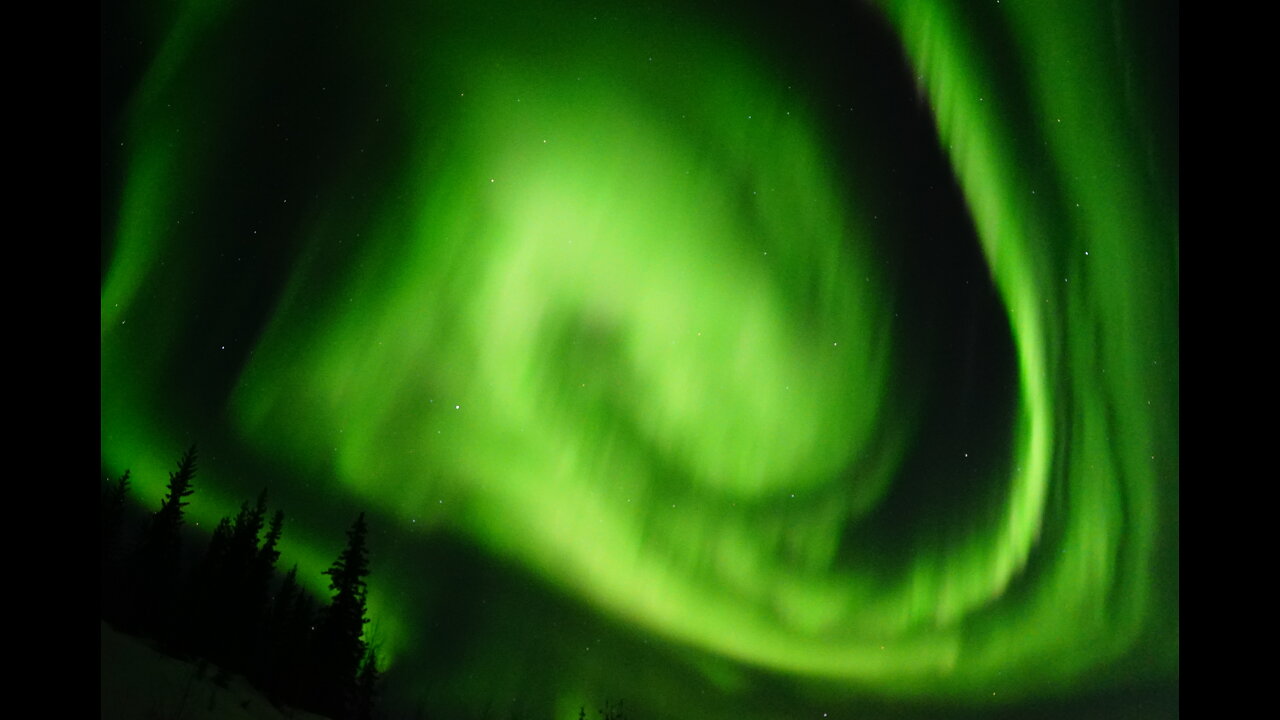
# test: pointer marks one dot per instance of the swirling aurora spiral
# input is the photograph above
(633, 334)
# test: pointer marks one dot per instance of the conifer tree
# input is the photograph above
(235, 590)
(282, 605)
(288, 629)
(277, 633)
(216, 554)
(113, 502)
(300, 640)
(265, 566)
(339, 645)
(162, 536)
(159, 556)
(367, 687)
(243, 598)
(206, 593)
(242, 549)
(253, 600)
(268, 555)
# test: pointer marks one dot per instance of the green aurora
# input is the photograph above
(602, 292)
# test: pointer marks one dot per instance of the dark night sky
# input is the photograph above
(741, 361)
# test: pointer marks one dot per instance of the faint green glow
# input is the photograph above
(630, 331)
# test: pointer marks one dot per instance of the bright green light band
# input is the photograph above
(633, 334)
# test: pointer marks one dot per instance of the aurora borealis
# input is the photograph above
(741, 362)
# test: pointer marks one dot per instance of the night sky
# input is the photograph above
(814, 359)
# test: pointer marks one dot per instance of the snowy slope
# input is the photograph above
(140, 683)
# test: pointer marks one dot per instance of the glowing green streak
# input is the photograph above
(584, 311)
(631, 333)
(1086, 319)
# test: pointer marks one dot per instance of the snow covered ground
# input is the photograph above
(141, 683)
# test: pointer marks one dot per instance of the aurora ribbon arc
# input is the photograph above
(631, 331)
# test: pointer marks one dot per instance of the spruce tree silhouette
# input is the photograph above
(229, 590)
(255, 645)
(113, 499)
(286, 640)
(241, 601)
(113, 503)
(205, 593)
(158, 560)
(339, 646)
(297, 644)
(367, 688)
(268, 555)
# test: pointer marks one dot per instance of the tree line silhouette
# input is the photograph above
(229, 608)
